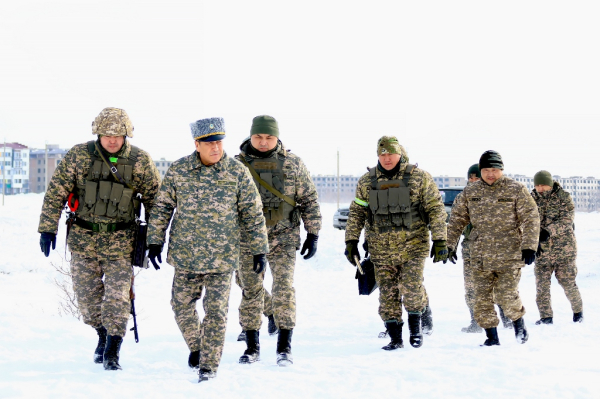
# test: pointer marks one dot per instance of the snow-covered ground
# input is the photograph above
(335, 346)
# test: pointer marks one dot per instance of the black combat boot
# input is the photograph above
(111, 352)
(194, 359)
(252, 354)
(544, 320)
(427, 321)
(242, 336)
(395, 331)
(492, 337)
(272, 329)
(414, 326)
(99, 353)
(520, 331)
(506, 322)
(578, 317)
(284, 348)
(206, 374)
(473, 327)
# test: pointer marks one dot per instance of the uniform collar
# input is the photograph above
(195, 163)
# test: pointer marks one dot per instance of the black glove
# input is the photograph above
(45, 240)
(351, 251)
(154, 251)
(439, 251)
(260, 261)
(366, 248)
(544, 235)
(451, 256)
(539, 251)
(310, 245)
(528, 255)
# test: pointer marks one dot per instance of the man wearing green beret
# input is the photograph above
(397, 204)
(557, 248)
(288, 196)
(215, 200)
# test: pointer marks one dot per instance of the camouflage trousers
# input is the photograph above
(565, 272)
(208, 335)
(398, 284)
(102, 291)
(497, 286)
(282, 261)
(470, 285)
(267, 300)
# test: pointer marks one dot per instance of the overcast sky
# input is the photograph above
(450, 79)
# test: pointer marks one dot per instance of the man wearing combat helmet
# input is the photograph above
(104, 181)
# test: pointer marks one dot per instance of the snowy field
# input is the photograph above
(335, 345)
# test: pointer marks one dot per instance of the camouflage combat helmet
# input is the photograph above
(112, 122)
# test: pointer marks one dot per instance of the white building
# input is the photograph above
(162, 165)
(14, 168)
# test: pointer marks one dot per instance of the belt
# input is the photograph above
(102, 227)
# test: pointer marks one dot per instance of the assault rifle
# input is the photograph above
(132, 297)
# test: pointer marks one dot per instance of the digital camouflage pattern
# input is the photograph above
(207, 336)
(284, 241)
(267, 303)
(399, 256)
(557, 215)
(112, 122)
(113, 311)
(100, 252)
(504, 221)
(214, 203)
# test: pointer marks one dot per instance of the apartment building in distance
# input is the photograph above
(42, 164)
(14, 168)
(162, 165)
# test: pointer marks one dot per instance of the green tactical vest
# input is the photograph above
(390, 208)
(271, 171)
(103, 195)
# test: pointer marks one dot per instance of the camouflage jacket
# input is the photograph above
(505, 221)
(557, 216)
(397, 247)
(71, 172)
(211, 205)
(299, 186)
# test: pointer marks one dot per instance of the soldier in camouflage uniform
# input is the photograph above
(557, 250)
(101, 239)
(395, 202)
(215, 199)
(267, 310)
(288, 196)
(505, 227)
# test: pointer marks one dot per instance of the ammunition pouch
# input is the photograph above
(102, 227)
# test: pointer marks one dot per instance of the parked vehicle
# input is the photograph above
(448, 196)
(340, 218)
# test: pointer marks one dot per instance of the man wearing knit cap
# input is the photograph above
(288, 197)
(397, 204)
(504, 234)
(557, 249)
(215, 200)
(104, 206)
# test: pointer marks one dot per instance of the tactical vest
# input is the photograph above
(390, 208)
(271, 171)
(103, 195)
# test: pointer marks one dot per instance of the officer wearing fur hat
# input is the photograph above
(288, 197)
(215, 199)
(101, 238)
(557, 248)
(397, 203)
(505, 228)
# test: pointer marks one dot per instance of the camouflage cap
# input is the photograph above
(389, 145)
(474, 170)
(112, 122)
(209, 129)
(264, 124)
(491, 159)
(543, 177)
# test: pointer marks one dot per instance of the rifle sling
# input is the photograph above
(266, 185)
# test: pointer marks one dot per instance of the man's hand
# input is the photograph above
(310, 245)
(451, 255)
(366, 248)
(528, 255)
(45, 240)
(439, 251)
(352, 251)
(259, 263)
(154, 253)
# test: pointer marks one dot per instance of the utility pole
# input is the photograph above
(338, 179)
